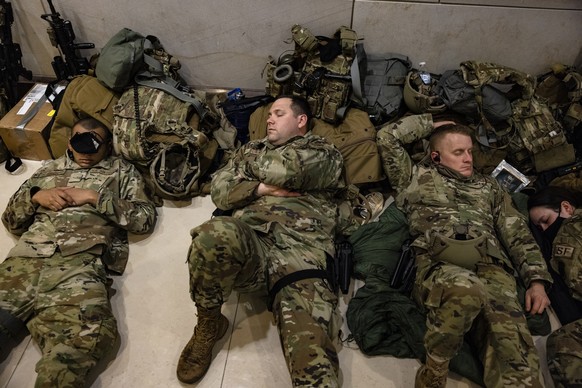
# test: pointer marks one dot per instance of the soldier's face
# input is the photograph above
(283, 124)
(543, 217)
(89, 160)
(456, 152)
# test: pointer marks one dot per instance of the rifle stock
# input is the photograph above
(62, 36)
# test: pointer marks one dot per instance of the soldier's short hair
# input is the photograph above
(299, 106)
(442, 131)
(91, 123)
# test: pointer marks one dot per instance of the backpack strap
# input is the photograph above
(171, 89)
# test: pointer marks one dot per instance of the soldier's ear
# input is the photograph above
(567, 209)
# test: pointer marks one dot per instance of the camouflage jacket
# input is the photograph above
(436, 199)
(306, 164)
(567, 253)
(122, 207)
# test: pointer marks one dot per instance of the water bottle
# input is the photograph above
(424, 75)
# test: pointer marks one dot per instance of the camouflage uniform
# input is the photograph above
(564, 346)
(482, 302)
(268, 238)
(54, 279)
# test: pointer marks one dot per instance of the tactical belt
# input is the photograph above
(292, 278)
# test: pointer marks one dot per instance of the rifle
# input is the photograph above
(10, 58)
(544, 178)
(62, 37)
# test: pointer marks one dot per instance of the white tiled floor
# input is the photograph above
(156, 318)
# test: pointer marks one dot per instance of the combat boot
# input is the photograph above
(433, 374)
(197, 355)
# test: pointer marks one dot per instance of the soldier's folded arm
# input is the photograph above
(316, 166)
(130, 209)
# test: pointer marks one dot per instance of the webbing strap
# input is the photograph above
(174, 92)
(292, 278)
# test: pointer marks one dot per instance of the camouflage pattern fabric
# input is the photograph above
(270, 237)
(567, 253)
(454, 297)
(55, 278)
(122, 207)
(436, 200)
(564, 346)
(64, 302)
(564, 353)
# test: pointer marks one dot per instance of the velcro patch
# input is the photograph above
(563, 251)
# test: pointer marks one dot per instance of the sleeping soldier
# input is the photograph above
(281, 190)
(469, 242)
(73, 216)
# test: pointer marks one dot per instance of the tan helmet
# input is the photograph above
(418, 97)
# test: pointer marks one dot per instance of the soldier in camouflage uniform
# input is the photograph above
(73, 216)
(556, 212)
(468, 240)
(281, 230)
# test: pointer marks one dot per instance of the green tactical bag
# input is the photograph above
(158, 133)
(320, 69)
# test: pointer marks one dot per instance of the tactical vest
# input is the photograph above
(320, 69)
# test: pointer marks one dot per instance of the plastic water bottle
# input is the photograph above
(424, 75)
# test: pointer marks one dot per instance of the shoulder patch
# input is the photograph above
(563, 251)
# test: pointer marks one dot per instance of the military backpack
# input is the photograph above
(160, 134)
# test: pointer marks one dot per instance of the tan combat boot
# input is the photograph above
(197, 355)
(433, 374)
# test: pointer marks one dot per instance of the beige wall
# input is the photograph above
(225, 43)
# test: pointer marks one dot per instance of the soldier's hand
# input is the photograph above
(536, 299)
(54, 199)
(83, 196)
(265, 189)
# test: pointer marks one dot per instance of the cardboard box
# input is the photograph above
(31, 140)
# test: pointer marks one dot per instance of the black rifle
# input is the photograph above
(10, 58)
(62, 37)
(545, 177)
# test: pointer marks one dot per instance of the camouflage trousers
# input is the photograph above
(64, 303)
(226, 255)
(483, 305)
(564, 354)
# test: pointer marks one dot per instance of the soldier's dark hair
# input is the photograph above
(91, 123)
(552, 197)
(444, 130)
(299, 106)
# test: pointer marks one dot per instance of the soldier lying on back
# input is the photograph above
(280, 233)
(469, 243)
(74, 214)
